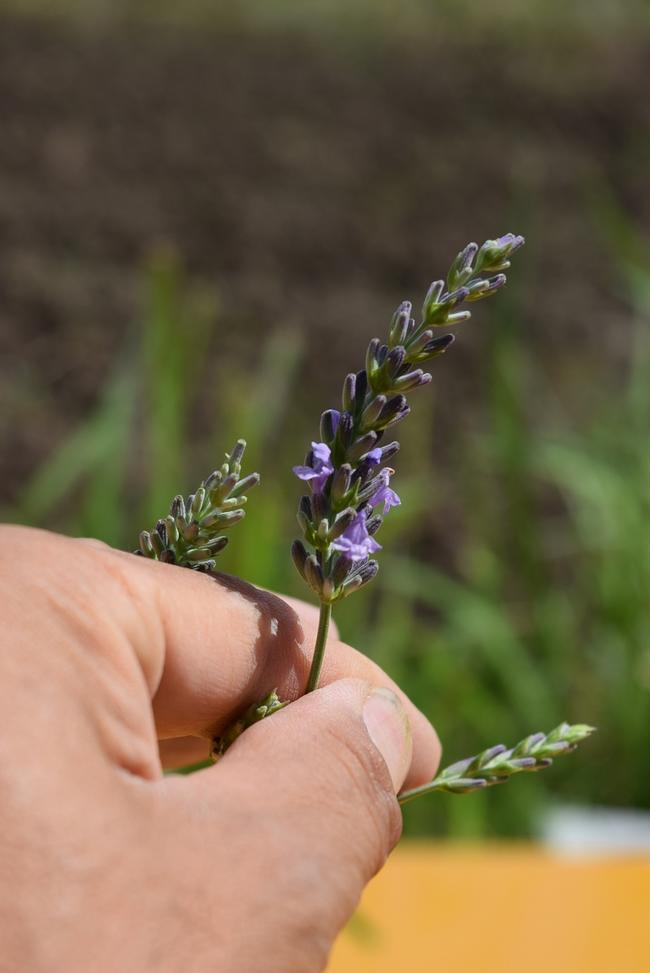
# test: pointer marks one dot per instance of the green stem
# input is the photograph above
(319, 648)
(407, 796)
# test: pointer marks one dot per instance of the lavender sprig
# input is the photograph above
(191, 535)
(347, 480)
(498, 764)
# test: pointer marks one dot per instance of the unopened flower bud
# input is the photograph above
(432, 297)
(349, 388)
(238, 452)
(314, 574)
(399, 324)
(177, 508)
(341, 482)
(328, 425)
(299, 555)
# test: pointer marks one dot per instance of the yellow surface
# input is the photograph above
(500, 909)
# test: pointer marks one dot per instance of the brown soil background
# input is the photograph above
(313, 184)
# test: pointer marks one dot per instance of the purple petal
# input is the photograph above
(355, 541)
(374, 456)
(320, 479)
(384, 494)
(322, 452)
(304, 472)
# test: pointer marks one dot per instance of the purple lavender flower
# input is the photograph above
(384, 493)
(374, 456)
(320, 469)
(350, 489)
(355, 541)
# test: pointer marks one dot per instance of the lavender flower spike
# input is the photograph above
(192, 533)
(344, 471)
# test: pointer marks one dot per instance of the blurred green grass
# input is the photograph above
(370, 18)
(544, 613)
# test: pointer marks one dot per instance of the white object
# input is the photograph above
(578, 830)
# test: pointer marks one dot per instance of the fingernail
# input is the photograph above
(389, 729)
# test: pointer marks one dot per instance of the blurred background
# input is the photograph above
(207, 210)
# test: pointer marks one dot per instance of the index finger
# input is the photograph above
(222, 644)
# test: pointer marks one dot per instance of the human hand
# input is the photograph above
(257, 862)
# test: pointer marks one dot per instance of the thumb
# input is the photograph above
(314, 786)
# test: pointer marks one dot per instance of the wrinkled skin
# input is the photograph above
(112, 667)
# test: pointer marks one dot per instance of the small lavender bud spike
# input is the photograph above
(497, 764)
(190, 535)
